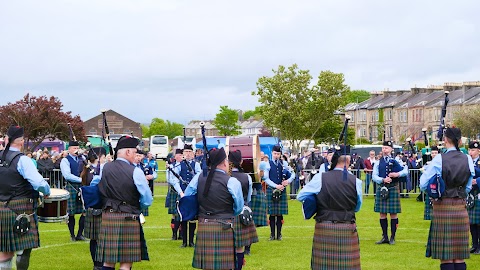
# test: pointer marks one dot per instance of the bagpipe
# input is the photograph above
(309, 204)
(427, 157)
(442, 127)
(106, 135)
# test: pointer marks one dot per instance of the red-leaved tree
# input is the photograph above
(42, 118)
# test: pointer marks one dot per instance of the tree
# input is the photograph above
(468, 120)
(291, 105)
(252, 113)
(162, 127)
(357, 96)
(42, 118)
(226, 121)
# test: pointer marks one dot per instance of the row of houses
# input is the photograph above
(404, 113)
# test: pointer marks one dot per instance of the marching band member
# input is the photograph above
(325, 167)
(149, 174)
(474, 209)
(19, 189)
(150, 167)
(428, 205)
(386, 173)
(448, 237)
(173, 194)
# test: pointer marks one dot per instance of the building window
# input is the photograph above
(352, 119)
(376, 116)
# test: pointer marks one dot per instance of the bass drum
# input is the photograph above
(250, 148)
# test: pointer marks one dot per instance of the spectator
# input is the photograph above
(369, 162)
(32, 157)
(357, 165)
(45, 165)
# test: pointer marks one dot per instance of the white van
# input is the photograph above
(159, 146)
(188, 140)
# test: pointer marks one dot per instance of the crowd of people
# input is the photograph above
(233, 203)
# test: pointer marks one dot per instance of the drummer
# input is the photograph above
(93, 218)
(70, 168)
(19, 189)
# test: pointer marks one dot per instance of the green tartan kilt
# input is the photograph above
(214, 247)
(74, 204)
(277, 208)
(335, 246)
(10, 241)
(391, 204)
(172, 204)
(92, 224)
(474, 213)
(119, 240)
(258, 204)
(449, 230)
(427, 212)
(244, 235)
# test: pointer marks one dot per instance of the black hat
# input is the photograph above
(474, 144)
(126, 141)
(235, 157)
(277, 148)
(339, 151)
(73, 143)
(140, 152)
(187, 147)
(217, 156)
(15, 132)
(178, 151)
(434, 148)
(453, 133)
(331, 150)
(387, 143)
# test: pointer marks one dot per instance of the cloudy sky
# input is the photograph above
(181, 60)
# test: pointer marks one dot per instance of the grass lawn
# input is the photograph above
(293, 252)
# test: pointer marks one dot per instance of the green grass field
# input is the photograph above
(293, 252)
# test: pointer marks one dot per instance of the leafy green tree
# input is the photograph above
(468, 120)
(357, 96)
(226, 121)
(297, 109)
(252, 113)
(160, 126)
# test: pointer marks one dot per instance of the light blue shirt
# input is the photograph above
(234, 188)
(266, 174)
(67, 173)
(323, 168)
(174, 181)
(27, 170)
(141, 183)
(435, 167)
(377, 179)
(96, 178)
(315, 186)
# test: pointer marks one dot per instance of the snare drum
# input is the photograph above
(54, 207)
(250, 148)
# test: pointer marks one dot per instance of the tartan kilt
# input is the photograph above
(427, 213)
(11, 241)
(167, 198)
(449, 230)
(277, 208)
(391, 204)
(92, 225)
(335, 246)
(474, 213)
(119, 240)
(172, 203)
(244, 235)
(74, 204)
(258, 204)
(214, 247)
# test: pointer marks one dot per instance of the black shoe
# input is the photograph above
(477, 252)
(279, 237)
(473, 250)
(392, 241)
(191, 244)
(247, 251)
(80, 238)
(174, 237)
(383, 241)
(180, 237)
(73, 238)
(272, 237)
(184, 245)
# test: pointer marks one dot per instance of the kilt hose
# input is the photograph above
(391, 204)
(474, 213)
(449, 230)
(277, 208)
(145, 212)
(214, 248)
(427, 212)
(74, 204)
(335, 246)
(92, 224)
(258, 204)
(10, 240)
(120, 240)
(244, 235)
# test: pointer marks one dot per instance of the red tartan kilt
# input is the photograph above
(11, 241)
(214, 247)
(244, 235)
(335, 246)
